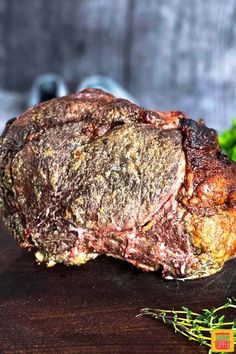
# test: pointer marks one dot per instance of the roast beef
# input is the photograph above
(90, 174)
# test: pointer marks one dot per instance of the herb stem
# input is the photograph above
(195, 326)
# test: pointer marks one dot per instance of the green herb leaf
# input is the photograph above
(195, 326)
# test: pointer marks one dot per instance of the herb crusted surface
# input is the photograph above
(90, 174)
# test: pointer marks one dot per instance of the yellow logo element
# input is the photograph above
(222, 340)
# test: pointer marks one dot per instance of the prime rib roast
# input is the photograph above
(90, 174)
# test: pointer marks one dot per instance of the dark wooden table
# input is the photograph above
(92, 309)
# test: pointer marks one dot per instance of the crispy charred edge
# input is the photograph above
(210, 179)
(208, 195)
(8, 124)
(198, 136)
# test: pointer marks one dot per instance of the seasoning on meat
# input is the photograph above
(90, 174)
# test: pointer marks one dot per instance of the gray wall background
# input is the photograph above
(170, 54)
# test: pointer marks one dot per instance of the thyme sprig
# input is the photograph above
(195, 326)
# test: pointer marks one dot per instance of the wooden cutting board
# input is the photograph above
(91, 309)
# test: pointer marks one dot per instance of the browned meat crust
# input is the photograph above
(90, 174)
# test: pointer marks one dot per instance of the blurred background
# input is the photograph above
(168, 54)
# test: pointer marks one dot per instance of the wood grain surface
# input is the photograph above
(92, 309)
(171, 55)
